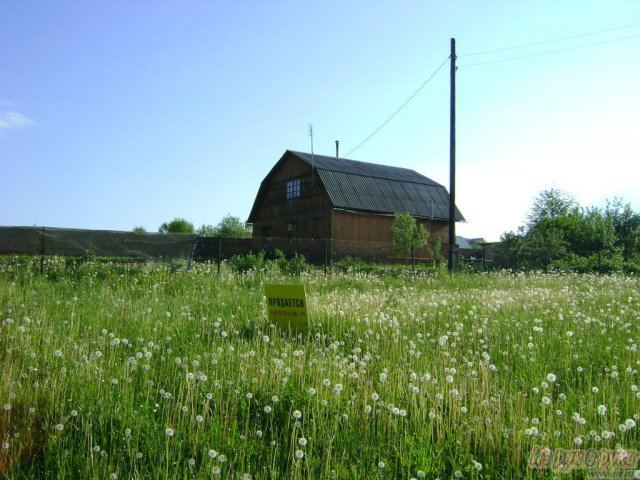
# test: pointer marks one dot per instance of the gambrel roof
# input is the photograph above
(374, 188)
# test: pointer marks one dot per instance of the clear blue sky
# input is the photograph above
(116, 114)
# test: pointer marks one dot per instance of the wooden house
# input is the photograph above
(308, 196)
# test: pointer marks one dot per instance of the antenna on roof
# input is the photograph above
(337, 146)
(311, 135)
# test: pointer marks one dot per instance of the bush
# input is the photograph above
(249, 262)
(351, 264)
(293, 266)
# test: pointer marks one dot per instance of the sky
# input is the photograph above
(121, 114)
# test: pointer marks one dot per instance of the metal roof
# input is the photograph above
(374, 188)
(355, 185)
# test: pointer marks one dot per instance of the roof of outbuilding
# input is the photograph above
(371, 187)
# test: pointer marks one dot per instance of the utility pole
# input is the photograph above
(452, 164)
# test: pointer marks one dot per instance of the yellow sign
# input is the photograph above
(287, 307)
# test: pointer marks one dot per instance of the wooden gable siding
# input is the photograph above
(310, 213)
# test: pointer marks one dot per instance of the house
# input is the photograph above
(348, 202)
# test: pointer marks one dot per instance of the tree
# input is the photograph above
(407, 235)
(177, 225)
(207, 231)
(139, 229)
(550, 204)
(233, 227)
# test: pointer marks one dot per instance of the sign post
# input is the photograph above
(287, 307)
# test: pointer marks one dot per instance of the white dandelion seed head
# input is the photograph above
(551, 377)
(299, 454)
(302, 441)
(169, 432)
(297, 414)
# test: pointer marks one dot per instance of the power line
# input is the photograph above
(544, 42)
(549, 52)
(401, 107)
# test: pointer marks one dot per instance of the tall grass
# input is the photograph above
(147, 371)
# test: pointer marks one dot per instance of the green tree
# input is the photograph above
(207, 231)
(550, 204)
(139, 229)
(233, 227)
(177, 225)
(407, 235)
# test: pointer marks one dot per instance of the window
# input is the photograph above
(293, 188)
(291, 230)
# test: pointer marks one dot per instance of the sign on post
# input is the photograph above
(287, 307)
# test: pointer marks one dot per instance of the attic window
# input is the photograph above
(293, 188)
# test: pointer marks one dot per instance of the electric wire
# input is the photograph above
(400, 108)
(549, 52)
(544, 42)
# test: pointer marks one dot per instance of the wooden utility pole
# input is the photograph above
(452, 164)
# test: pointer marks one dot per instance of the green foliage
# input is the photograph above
(407, 234)
(562, 235)
(291, 266)
(139, 229)
(177, 225)
(249, 262)
(207, 231)
(233, 227)
(351, 264)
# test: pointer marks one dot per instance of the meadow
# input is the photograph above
(119, 371)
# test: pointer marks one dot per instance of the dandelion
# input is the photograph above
(594, 390)
(302, 442)
(113, 476)
(6, 407)
(375, 397)
(312, 391)
(249, 396)
(59, 427)
(199, 418)
(127, 432)
(546, 400)
(299, 454)
(477, 465)
(222, 458)
(215, 471)
(169, 432)
(421, 474)
(297, 414)
(551, 377)
(367, 409)
(577, 441)
(629, 423)
(326, 382)
(383, 377)
(381, 464)
(212, 454)
(58, 353)
(267, 409)
(602, 410)
(191, 462)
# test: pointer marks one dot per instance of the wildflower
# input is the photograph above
(326, 382)
(169, 432)
(312, 391)
(212, 454)
(602, 410)
(249, 396)
(59, 427)
(629, 423)
(299, 454)
(577, 441)
(191, 462)
(58, 353)
(551, 377)
(267, 409)
(113, 476)
(302, 441)
(477, 465)
(127, 432)
(222, 458)
(199, 418)
(375, 396)
(367, 409)
(6, 407)
(595, 390)
(546, 400)
(297, 414)
(381, 464)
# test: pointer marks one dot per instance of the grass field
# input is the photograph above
(144, 371)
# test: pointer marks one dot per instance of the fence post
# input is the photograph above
(326, 255)
(42, 252)
(219, 252)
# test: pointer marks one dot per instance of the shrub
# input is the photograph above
(249, 262)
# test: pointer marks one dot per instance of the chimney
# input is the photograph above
(337, 145)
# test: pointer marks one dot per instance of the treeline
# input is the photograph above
(560, 234)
